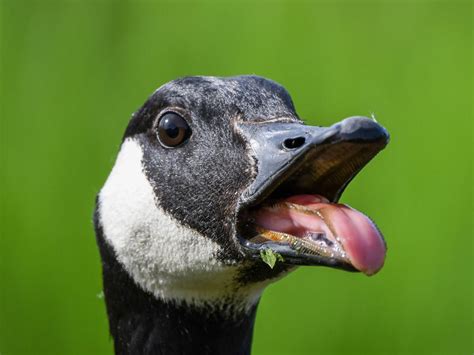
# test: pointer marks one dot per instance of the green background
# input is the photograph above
(74, 71)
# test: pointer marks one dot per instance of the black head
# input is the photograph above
(210, 167)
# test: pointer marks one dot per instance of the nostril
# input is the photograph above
(293, 143)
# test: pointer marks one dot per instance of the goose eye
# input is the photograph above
(172, 130)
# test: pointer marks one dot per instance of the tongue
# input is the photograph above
(356, 233)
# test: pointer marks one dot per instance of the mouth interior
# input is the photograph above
(301, 214)
(310, 224)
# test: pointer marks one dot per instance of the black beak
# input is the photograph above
(293, 159)
(307, 156)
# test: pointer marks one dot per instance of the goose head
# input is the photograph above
(219, 188)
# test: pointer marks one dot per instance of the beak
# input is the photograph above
(294, 159)
(281, 149)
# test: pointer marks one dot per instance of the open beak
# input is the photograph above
(291, 206)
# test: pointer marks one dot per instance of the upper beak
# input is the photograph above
(281, 149)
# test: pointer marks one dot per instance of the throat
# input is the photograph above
(141, 323)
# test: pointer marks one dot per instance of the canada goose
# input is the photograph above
(218, 190)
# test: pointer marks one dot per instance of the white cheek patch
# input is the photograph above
(168, 259)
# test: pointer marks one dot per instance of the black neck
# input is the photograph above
(141, 324)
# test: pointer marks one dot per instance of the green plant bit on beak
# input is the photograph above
(270, 257)
(301, 245)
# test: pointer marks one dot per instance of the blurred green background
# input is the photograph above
(74, 71)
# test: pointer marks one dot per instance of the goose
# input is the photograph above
(218, 190)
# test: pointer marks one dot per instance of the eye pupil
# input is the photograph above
(172, 129)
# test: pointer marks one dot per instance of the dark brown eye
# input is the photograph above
(172, 130)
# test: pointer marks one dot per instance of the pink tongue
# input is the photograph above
(359, 237)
